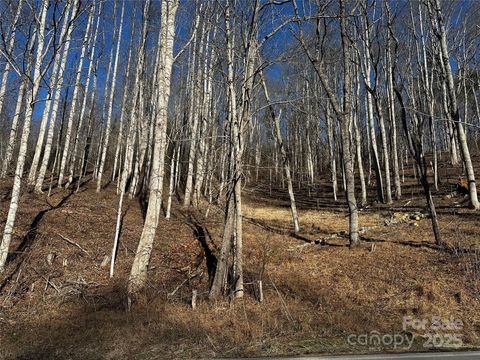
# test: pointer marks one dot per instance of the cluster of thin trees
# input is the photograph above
(195, 99)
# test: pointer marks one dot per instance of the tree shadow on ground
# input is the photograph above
(98, 326)
(201, 233)
(16, 257)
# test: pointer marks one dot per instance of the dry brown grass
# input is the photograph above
(314, 295)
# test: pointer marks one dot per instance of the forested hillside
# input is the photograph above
(221, 178)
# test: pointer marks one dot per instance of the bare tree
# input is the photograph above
(138, 274)
(440, 32)
(110, 105)
(285, 161)
(32, 95)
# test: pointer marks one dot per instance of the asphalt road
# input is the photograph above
(462, 355)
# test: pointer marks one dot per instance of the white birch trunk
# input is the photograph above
(286, 164)
(110, 105)
(366, 70)
(331, 152)
(171, 185)
(462, 139)
(205, 117)
(13, 130)
(125, 99)
(58, 72)
(12, 211)
(11, 43)
(86, 43)
(358, 139)
(138, 273)
(391, 108)
(130, 140)
(194, 115)
(54, 105)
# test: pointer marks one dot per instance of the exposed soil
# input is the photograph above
(57, 300)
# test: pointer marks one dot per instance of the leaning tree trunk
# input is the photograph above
(130, 141)
(237, 121)
(454, 112)
(427, 85)
(58, 73)
(283, 152)
(331, 151)
(386, 158)
(343, 111)
(390, 67)
(358, 140)
(171, 184)
(123, 114)
(83, 108)
(205, 117)
(367, 73)
(11, 43)
(13, 129)
(194, 117)
(17, 182)
(110, 106)
(138, 274)
(53, 107)
(87, 144)
(415, 147)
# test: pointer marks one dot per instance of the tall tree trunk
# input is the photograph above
(367, 74)
(110, 104)
(454, 112)
(83, 109)
(123, 114)
(286, 164)
(14, 127)
(88, 139)
(11, 43)
(53, 107)
(390, 68)
(194, 117)
(345, 123)
(58, 74)
(238, 120)
(138, 274)
(331, 151)
(415, 147)
(171, 184)
(358, 140)
(130, 140)
(37, 77)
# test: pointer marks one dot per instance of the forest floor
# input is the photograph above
(57, 300)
